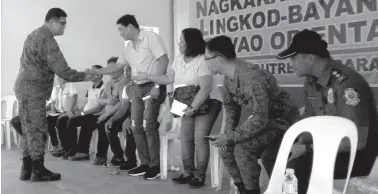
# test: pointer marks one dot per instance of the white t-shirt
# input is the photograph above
(61, 95)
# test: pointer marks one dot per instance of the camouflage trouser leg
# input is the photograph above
(32, 114)
(241, 159)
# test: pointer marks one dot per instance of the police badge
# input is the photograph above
(351, 97)
(330, 97)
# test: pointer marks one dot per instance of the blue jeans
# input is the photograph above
(144, 124)
(192, 135)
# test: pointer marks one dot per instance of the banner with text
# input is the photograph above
(262, 28)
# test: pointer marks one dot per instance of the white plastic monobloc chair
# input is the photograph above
(216, 163)
(167, 140)
(9, 109)
(327, 133)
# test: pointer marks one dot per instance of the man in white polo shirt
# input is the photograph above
(144, 53)
(63, 102)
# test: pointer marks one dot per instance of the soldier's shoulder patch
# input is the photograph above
(351, 97)
(339, 76)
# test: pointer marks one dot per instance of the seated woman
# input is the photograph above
(190, 69)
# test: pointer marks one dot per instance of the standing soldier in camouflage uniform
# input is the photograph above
(332, 88)
(270, 108)
(41, 59)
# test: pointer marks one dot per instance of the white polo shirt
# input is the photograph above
(144, 54)
(60, 95)
(93, 96)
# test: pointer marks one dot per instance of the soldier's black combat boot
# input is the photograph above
(254, 191)
(41, 173)
(241, 187)
(26, 169)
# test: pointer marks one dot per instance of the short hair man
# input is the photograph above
(87, 120)
(40, 60)
(144, 53)
(247, 86)
(332, 88)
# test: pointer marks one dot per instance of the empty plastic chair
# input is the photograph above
(330, 128)
(9, 110)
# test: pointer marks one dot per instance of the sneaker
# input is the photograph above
(105, 165)
(79, 156)
(117, 161)
(139, 171)
(99, 161)
(182, 179)
(152, 173)
(127, 166)
(196, 182)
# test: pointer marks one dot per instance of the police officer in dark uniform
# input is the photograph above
(332, 88)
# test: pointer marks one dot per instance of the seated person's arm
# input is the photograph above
(52, 107)
(124, 106)
(308, 111)
(122, 110)
(48, 106)
(94, 110)
(72, 102)
(259, 114)
(354, 106)
(206, 83)
(113, 110)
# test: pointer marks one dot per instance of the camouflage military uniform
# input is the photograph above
(341, 91)
(41, 59)
(271, 113)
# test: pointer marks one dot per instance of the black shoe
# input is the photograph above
(58, 153)
(152, 173)
(99, 161)
(182, 179)
(241, 187)
(26, 169)
(67, 154)
(41, 173)
(127, 166)
(139, 171)
(196, 182)
(105, 165)
(117, 161)
(254, 191)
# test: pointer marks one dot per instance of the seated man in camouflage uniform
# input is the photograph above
(270, 108)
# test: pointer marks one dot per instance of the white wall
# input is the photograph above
(91, 35)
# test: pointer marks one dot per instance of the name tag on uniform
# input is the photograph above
(310, 97)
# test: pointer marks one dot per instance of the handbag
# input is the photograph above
(186, 95)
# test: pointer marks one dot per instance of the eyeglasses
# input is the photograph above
(213, 57)
(61, 23)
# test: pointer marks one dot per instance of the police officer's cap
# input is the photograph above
(306, 41)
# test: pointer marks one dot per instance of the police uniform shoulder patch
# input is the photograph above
(339, 77)
(351, 97)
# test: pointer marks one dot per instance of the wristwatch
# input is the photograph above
(82, 114)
